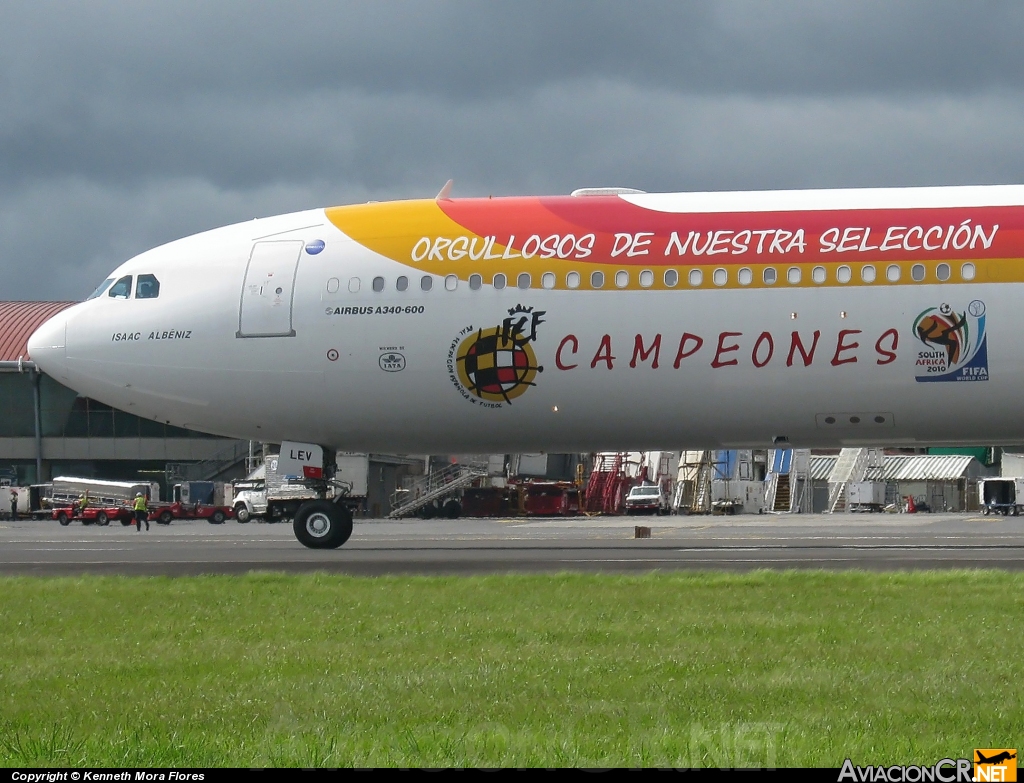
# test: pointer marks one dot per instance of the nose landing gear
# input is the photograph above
(321, 524)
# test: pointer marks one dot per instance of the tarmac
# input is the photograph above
(488, 546)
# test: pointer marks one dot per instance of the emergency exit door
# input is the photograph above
(265, 309)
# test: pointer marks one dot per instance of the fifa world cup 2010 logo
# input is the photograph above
(499, 364)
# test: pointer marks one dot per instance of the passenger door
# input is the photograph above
(265, 309)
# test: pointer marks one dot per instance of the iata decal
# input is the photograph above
(492, 367)
(954, 346)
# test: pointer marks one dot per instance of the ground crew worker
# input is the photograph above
(141, 513)
(14, 505)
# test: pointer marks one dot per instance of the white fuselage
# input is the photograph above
(259, 333)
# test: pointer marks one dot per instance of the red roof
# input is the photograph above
(17, 322)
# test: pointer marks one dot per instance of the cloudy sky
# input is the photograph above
(125, 125)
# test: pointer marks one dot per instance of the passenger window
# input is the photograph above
(671, 278)
(101, 289)
(942, 272)
(402, 283)
(523, 281)
(967, 271)
(770, 275)
(597, 279)
(451, 282)
(720, 276)
(353, 285)
(794, 275)
(333, 284)
(547, 280)
(745, 276)
(622, 278)
(867, 274)
(917, 272)
(147, 288)
(844, 274)
(893, 273)
(573, 280)
(122, 289)
(499, 281)
(818, 274)
(475, 281)
(378, 284)
(647, 278)
(696, 277)
(426, 283)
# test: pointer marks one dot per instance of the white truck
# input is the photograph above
(275, 490)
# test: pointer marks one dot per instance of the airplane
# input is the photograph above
(1005, 755)
(603, 320)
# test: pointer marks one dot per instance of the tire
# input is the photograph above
(102, 519)
(320, 524)
(126, 522)
(64, 519)
(452, 509)
(242, 513)
(165, 518)
(217, 518)
(429, 511)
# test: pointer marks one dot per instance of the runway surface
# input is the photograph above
(479, 546)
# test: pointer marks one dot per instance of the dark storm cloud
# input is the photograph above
(125, 125)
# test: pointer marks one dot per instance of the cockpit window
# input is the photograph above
(122, 289)
(102, 287)
(148, 287)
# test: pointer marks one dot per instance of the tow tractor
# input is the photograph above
(165, 513)
(192, 500)
(92, 515)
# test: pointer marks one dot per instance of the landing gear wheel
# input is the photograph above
(64, 519)
(102, 519)
(165, 518)
(320, 524)
(242, 513)
(217, 518)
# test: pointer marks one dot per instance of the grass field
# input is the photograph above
(764, 669)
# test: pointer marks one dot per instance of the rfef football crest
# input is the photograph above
(494, 366)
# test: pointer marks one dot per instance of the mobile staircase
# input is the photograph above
(434, 486)
(788, 487)
(852, 465)
(608, 483)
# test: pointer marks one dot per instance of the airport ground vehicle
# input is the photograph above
(107, 500)
(165, 513)
(193, 500)
(274, 496)
(524, 325)
(647, 499)
(1001, 495)
(92, 514)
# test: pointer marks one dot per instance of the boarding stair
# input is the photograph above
(777, 496)
(608, 483)
(434, 486)
(852, 465)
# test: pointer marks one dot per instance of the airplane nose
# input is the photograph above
(47, 347)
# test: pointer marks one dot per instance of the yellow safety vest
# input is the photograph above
(140, 504)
